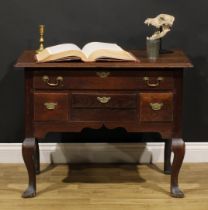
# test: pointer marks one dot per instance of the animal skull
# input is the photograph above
(163, 22)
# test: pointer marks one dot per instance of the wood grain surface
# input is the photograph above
(177, 59)
(101, 187)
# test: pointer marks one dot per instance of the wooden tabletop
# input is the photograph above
(176, 59)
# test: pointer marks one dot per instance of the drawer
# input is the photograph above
(103, 80)
(51, 106)
(104, 106)
(156, 107)
(104, 100)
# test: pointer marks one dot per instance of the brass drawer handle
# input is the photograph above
(104, 99)
(50, 106)
(147, 80)
(59, 81)
(156, 106)
(103, 74)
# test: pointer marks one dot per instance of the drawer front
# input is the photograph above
(156, 107)
(104, 100)
(103, 80)
(51, 106)
(104, 106)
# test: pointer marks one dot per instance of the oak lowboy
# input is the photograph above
(70, 96)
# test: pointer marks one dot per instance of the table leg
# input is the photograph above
(37, 157)
(178, 148)
(29, 153)
(167, 156)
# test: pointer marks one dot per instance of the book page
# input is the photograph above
(62, 48)
(60, 51)
(91, 47)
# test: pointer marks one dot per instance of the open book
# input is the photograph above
(92, 51)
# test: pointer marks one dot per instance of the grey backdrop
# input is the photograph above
(121, 21)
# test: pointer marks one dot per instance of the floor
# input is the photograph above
(103, 186)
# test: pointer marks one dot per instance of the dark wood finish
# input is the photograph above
(42, 128)
(178, 148)
(177, 59)
(28, 105)
(165, 114)
(177, 127)
(59, 113)
(116, 80)
(107, 115)
(37, 157)
(118, 101)
(28, 153)
(130, 88)
(167, 156)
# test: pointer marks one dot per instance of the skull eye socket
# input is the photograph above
(162, 18)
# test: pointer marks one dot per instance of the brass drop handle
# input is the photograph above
(156, 106)
(104, 99)
(59, 81)
(103, 74)
(50, 105)
(147, 80)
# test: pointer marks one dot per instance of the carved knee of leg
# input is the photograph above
(178, 145)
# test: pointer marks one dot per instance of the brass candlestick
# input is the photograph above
(41, 30)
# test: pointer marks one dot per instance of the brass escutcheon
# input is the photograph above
(59, 81)
(147, 80)
(104, 99)
(156, 106)
(103, 74)
(50, 105)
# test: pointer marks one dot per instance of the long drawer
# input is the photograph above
(103, 80)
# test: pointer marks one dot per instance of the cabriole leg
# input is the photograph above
(167, 156)
(29, 153)
(178, 148)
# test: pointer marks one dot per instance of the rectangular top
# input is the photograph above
(176, 59)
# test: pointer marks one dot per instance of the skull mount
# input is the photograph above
(163, 23)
